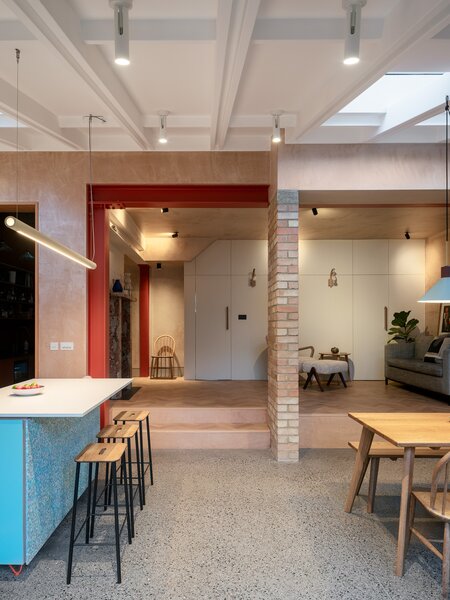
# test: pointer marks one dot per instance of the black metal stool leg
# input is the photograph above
(138, 471)
(94, 506)
(149, 450)
(72, 529)
(130, 484)
(141, 443)
(88, 508)
(116, 521)
(110, 488)
(127, 503)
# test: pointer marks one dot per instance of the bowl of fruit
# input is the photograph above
(27, 389)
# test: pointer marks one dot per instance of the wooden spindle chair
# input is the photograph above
(435, 503)
(163, 357)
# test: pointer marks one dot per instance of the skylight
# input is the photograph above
(388, 90)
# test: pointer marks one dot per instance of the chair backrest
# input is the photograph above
(310, 348)
(164, 346)
(440, 474)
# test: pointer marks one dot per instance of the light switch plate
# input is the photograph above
(66, 345)
(54, 345)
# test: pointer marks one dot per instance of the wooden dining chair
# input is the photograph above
(435, 503)
(163, 357)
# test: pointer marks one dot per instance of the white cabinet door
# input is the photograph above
(325, 313)
(404, 291)
(370, 296)
(249, 328)
(212, 327)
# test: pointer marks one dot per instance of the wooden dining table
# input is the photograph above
(404, 430)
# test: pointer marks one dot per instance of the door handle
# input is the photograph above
(385, 318)
(227, 318)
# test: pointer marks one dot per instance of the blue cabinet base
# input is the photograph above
(37, 472)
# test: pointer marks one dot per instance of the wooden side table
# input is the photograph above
(331, 356)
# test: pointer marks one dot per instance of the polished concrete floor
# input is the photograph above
(237, 525)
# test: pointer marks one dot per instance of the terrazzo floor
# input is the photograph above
(237, 525)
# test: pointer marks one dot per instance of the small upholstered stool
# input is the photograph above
(139, 417)
(325, 367)
(94, 454)
(125, 433)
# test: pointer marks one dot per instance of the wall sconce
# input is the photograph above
(252, 281)
(332, 279)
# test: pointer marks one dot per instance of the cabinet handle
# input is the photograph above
(385, 318)
(227, 318)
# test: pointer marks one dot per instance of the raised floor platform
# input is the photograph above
(202, 414)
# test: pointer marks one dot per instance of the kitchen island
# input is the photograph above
(39, 438)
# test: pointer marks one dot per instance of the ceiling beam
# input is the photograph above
(425, 103)
(409, 23)
(56, 24)
(235, 23)
(100, 31)
(34, 115)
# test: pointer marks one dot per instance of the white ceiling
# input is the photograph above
(221, 67)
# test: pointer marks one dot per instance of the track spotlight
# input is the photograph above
(175, 234)
(315, 212)
(164, 210)
(162, 138)
(407, 235)
(121, 34)
(159, 265)
(353, 30)
(276, 131)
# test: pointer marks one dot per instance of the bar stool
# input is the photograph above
(94, 454)
(125, 433)
(138, 417)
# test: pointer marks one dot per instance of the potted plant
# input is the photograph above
(402, 327)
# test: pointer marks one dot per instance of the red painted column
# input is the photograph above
(98, 303)
(144, 320)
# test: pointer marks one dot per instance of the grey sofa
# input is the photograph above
(404, 363)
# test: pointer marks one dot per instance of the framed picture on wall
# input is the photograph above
(444, 319)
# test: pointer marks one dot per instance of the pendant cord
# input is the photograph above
(17, 131)
(447, 110)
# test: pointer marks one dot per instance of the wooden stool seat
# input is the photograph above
(387, 450)
(129, 415)
(122, 432)
(102, 453)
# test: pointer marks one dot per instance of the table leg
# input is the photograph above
(408, 471)
(360, 468)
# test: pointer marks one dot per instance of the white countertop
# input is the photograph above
(60, 398)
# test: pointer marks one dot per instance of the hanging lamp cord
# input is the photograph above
(17, 131)
(447, 110)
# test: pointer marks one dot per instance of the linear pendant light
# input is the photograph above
(44, 240)
(440, 292)
(26, 230)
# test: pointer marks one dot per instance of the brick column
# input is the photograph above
(283, 325)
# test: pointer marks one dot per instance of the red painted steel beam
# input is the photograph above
(144, 320)
(181, 196)
(98, 303)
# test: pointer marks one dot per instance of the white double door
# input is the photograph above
(225, 316)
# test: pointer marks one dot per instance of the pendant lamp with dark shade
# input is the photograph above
(439, 293)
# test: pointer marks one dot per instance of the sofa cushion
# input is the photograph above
(422, 343)
(436, 350)
(417, 366)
